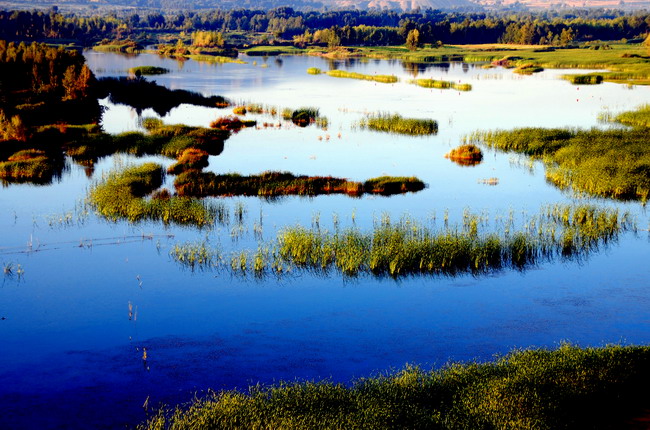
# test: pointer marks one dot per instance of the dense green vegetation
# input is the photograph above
(587, 79)
(397, 124)
(272, 184)
(609, 163)
(122, 195)
(569, 387)
(30, 165)
(408, 248)
(385, 79)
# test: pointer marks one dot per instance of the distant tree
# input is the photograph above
(413, 40)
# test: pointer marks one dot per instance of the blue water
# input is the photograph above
(72, 355)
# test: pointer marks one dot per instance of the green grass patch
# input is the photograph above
(218, 59)
(148, 70)
(122, 195)
(638, 118)
(528, 69)
(407, 248)
(434, 83)
(586, 79)
(397, 124)
(542, 389)
(29, 165)
(385, 79)
(314, 71)
(274, 184)
(607, 163)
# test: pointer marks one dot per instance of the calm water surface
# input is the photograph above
(72, 358)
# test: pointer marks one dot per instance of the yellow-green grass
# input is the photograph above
(541, 389)
(586, 79)
(407, 248)
(273, 184)
(607, 163)
(214, 59)
(148, 70)
(386, 79)
(190, 158)
(434, 83)
(122, 195)
(397, 124)
(314, 71)
(29, 165)
(527, 69)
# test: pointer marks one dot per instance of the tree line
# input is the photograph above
(353, 27)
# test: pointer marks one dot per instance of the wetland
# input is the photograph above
(211, 232)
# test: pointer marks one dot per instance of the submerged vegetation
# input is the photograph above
(385, 79)
(608, 163)
(272, 184)
(123, 195)
(408, 248)
(569, 387)
(397, 124)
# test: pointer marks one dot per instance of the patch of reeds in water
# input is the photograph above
(466, 155)
(272, 184)
(587, 79)
(397, 124)
(29, 165)
(408, 248)
(607, 163)
(637, 118)
(232, 123)
(191, 158)
(385, 79)
(434, 83)
(567, 387)
(314, 71)
(148, 70)
(122, 195)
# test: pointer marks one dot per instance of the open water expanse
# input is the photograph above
(95, 293)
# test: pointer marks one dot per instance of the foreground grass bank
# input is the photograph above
(566, 388)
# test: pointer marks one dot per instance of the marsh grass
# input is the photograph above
(466, 155)
(314, 71)
(148, 70)
(407, 248)
(385, 79)
(638, 118)
(433, 83)
(607, 163)
(30, 165)
(586, 79)
(528, 69)
(397, 124)
(273, 184)
(122, 195)
(232, 123)
(567, 387)
(191, 158)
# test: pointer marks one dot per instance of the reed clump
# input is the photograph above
(466, 155)
(122, 195)
(29, 165)
(314, 71)
(407, 248)
(566, 387)
(397, 124)
(148, 70)
(191, 158)
(385, 79)
(273, 184)
(434, 83)
(638, 118)
(587, 79)
(606, 163)
(231, 123)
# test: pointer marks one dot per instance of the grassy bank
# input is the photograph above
(273, 184)
(408, 248)
(607, 163)
(433, 83)
(569, 387)
(397, 124)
